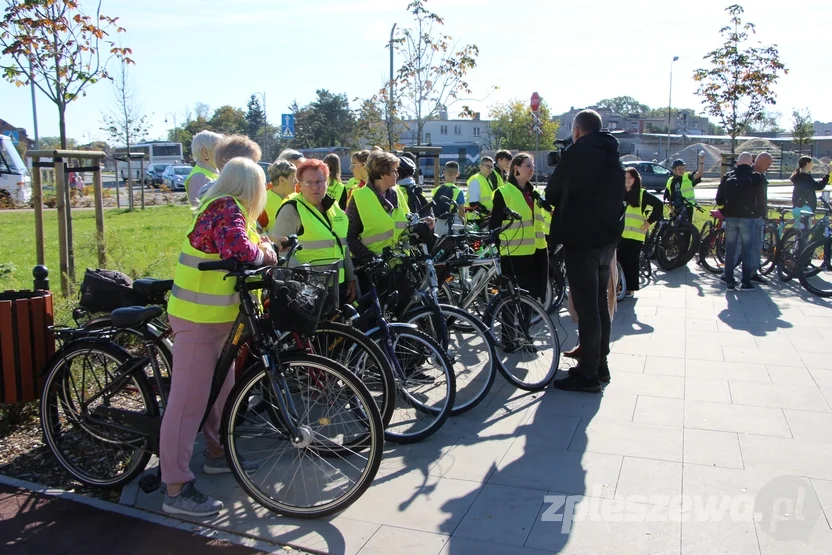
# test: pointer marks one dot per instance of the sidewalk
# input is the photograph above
(36, 523)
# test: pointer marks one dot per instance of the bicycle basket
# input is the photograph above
(106, 290)
(300, 296)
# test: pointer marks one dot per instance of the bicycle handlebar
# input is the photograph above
(245, 269)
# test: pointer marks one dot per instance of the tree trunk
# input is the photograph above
(67, 198)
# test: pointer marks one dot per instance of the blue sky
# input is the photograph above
(573, 53)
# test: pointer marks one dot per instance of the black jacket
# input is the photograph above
(738, 191)
(587, 191)
(804, 191)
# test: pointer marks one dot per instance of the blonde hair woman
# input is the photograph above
(203, 147)
(201, 310)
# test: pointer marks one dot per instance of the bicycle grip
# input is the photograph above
(227, 265)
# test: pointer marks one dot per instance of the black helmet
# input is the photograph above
(678, 162)
(406, 167)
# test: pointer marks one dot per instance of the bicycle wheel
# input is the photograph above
(706, 228)
(529, 349)
(645, 270)
(689, 239)
(712, 251)
(621, 287)
(84, 382)
(556, 290)
(332, 409)
(668, 251)
(351, 348)
(768, 256)
(813, 269)
(788, 253)
(426, 392)
(470, 350)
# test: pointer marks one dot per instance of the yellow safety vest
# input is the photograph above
(273, 204)
(352, 183)
(634, 218)
(335, 189)
(204, 297)
(324, 235)
(526, 235)
(380, 228)
(686, 189)
(486, 193)
(199, 169)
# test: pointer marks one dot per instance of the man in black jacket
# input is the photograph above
(738, 193)
(587, 191)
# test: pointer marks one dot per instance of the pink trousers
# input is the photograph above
(196, 349)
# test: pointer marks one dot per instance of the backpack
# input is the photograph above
(442, 200)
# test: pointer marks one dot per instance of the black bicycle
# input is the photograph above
(317, 434)
(678, 241)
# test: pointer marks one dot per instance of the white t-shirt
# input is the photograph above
(474, 191)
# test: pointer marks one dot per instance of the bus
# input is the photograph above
(163, 153)
(467, 155)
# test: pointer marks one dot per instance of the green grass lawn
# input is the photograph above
(140, 244)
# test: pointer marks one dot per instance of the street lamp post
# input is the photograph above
(265, 122)
(669, 104)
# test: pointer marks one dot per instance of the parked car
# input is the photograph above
(653, 176)
(15, 182)
(174, 177)
(153, 174)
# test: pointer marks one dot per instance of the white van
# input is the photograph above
(15, 181)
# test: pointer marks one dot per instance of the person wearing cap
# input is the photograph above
(443, 195)
(416, 201)
(680, 186)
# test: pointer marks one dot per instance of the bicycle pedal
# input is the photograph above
(150, 483)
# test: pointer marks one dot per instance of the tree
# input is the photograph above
(227, 120)
(768, 123)
(624, 105)
(803, 129)
(433, 71)
(331, 121)
(372, 128)
(58, 47)
(511, 125)
(54, 143)
(255, 118)
(126, 123)
(739, 84)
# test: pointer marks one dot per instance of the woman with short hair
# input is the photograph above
(233, 146)
(201, 310)
(203, 147)
(281, 184)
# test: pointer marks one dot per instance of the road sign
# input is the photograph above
(535, 102)
(15, 136)
(287, 126)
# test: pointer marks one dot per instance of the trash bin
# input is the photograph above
(26, 343)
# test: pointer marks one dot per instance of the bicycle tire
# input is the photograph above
(556, 287)
(508, 302)
(378, 376)
(693, 242)
(805, 262)
(621, 287)
(768, 255)
(666, 261)
(356, 392)
(645, 270)
(710, 248)
(789, 252)
(408, 338)
(706, 228)
(95, 436)
(459, 321)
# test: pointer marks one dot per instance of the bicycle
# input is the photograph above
(773, 230)
(712, 245)
(795, 240)
(678, 241)
(101, 420)
(813, 267)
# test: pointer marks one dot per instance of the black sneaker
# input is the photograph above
(759, 279)
(577, 382)
(747, 287)
(604, 372)
(731, 286)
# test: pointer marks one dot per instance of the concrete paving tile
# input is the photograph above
(733, 371)
(817, 542)
(490, 421)
(399, 459)
(712, 338)
(641, 345)
(502, 514)
(644, 478)
(719, 537)
(704, 324)
(712, 448)
(735, 418)
(406, 542)
(796, 457)
(790, 375)
(604, 527)
(703, 351)
(527, 465)
(778, 396)
(629, 439)
(472, 459)
(649, 384)
(823, 489)
(610, 405)
(463, 546)
(821, 361)
(626, 363)
(779, 357)
(416, 501)
(664, 366)
(707, 390)
(813, 426)
(659, 410)
(338, 535)
(822, 377)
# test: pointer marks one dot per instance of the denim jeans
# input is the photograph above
(739, 243)
(588, 272)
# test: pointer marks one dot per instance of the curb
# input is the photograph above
(201, 530)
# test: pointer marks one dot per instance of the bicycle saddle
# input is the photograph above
(150, 287)
(134, 315)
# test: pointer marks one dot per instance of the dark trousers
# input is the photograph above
(629, 251)
(588, 272)
(532, 273)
